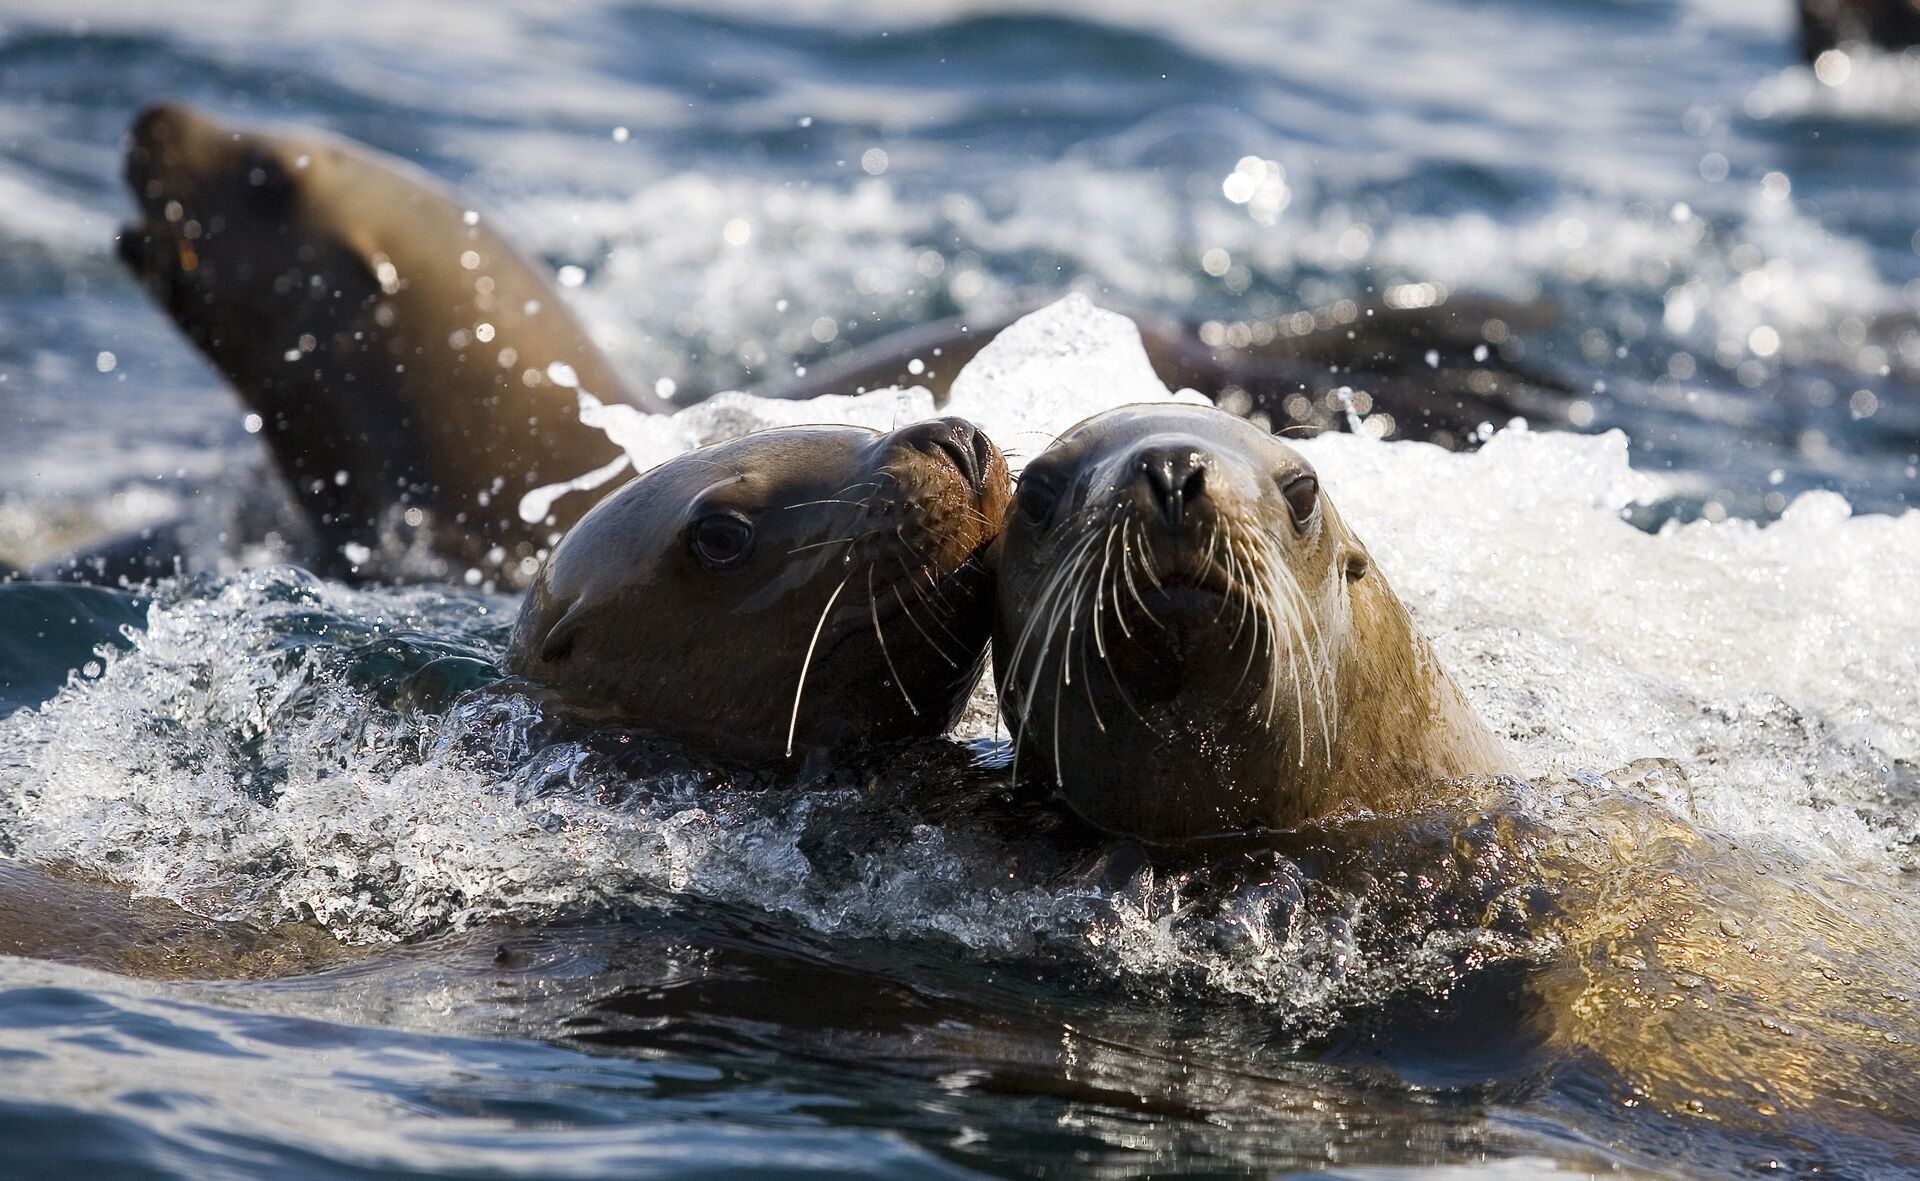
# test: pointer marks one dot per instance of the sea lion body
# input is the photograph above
(1433, 371)
(410, 369)
(795, 589)
(1190, 642)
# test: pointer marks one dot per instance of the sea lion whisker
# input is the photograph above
(1119, 612)
(1043, 609)
(1319, 662)
(793, 726)
(1134, 586)
(1237, 576)
(1068, 608)
(1099, 587)
(873, 610)
(854, 540)
(1042, 603)
(931, 642)
(831, 500)
(938, 607)
(1237, 580)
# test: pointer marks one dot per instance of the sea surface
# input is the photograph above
(544, 956)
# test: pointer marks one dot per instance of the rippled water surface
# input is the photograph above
(1684, 947)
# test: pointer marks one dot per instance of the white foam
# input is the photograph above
(1052, 368)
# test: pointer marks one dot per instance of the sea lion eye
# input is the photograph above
(1038, 497)
(1302, 493)
(722, 541)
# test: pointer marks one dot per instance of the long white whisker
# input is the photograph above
(793, 726)
(873, 610)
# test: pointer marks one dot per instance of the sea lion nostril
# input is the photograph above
(983, 451)
(1176, 477)
(963, 444)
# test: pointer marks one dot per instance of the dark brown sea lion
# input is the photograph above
(411, 371)
(1832, 24)
(1434, 364)
(796, 589)
(1190, 642)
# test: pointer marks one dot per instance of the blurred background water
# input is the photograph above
(733, 189)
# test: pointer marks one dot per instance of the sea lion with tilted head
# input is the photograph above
(401, 355)
(1190, 642)
(797, 589)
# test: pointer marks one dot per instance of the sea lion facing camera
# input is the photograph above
(402, 357)
(1191, 642)
(802, 588)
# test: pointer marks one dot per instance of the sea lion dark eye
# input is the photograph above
(1302, 493)
(1037, 499)
(722, 541)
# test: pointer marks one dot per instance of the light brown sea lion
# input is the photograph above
(411, 371)
(796, 589)
(1190, 642)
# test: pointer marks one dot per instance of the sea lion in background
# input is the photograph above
(1834, 24)
(796, 589)
(1189, 641)
(410, 368)
(1427, 364)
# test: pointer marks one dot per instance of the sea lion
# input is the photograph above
(409, 368)
(1426, 363)
(1833, 24)
(796, 589)
(1190, 642)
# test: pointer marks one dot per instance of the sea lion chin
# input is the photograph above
(798, 589)
(1189, 641)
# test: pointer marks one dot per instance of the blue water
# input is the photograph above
(563, 966)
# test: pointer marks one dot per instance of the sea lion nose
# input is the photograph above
(155, 131)
(158, 123)
(962, 443)
(1176, 478)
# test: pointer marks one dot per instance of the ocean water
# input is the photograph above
(546, 956)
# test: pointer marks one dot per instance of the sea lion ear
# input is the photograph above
(1356, 564)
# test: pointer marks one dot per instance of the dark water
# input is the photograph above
(568, 964)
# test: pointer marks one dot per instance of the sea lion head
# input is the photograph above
(801, 588)
(230, 238)
(1177, 599)
(407, 364)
